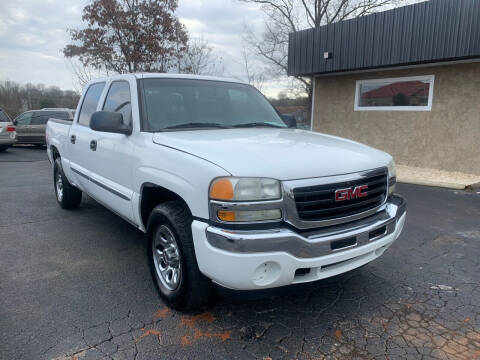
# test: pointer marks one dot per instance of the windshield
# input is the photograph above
(186, 104)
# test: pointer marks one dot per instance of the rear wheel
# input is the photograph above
(172, 259)
(68, 196)
(3, 148)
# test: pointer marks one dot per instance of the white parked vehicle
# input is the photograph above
(8, 131)
(224, 191)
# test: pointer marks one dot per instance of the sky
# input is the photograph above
(33, 33)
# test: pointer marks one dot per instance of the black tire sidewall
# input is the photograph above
(195, 289)
(71, 195)
(56, 169)
(167, 294)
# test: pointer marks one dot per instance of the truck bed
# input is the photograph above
(57, 135)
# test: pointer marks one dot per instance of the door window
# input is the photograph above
(90, 101)
(118, 100)
(24, 119)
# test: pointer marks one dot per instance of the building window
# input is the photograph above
(395, 94)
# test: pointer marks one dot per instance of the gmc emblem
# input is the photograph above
(349, 193)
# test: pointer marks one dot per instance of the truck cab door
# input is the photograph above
(79, 154)
(111, 155)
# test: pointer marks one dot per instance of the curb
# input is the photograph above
(475, 186)
(443, 184)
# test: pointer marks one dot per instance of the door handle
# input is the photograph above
(72, 139)
(93, 145)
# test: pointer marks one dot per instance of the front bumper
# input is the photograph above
(258, 259)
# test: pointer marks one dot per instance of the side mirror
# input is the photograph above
(108, 121)
(290, 121)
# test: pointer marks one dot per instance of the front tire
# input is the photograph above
(67, 195)
(172, 259)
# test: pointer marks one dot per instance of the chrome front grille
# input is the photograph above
(317, 202)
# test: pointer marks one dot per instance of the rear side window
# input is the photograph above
(4, 117)
(62, 115)
(90, 102)
(118, 100)
(40, 117)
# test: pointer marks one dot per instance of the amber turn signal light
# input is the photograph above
(221, 189)
(226, 215)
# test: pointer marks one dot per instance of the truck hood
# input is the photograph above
(283, 154)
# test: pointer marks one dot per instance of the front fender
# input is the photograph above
(183, 174)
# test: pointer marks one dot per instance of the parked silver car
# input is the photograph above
(31, 125)
(8, 134)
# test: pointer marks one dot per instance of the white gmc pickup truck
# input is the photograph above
(223, 189)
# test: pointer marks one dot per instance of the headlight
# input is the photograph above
(258, 193)
(245, 189)
(392, 176)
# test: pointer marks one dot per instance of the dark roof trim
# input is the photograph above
(427, 32)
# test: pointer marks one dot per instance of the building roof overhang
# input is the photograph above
(430, 32)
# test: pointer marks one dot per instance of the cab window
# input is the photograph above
(118, 100)
(90, 101)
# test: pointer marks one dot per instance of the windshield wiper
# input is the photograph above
(195, 125)
(258, 124)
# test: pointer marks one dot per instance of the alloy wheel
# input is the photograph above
(166, 257)
(59, 186)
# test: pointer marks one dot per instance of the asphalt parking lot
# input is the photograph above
(75, 285)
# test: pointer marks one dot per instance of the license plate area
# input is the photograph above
(377, 233)
(343, 243)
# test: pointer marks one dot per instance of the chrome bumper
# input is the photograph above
(311, 243)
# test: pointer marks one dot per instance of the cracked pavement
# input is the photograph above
(76, 285)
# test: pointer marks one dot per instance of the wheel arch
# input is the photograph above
(55, 152)
(152, 195)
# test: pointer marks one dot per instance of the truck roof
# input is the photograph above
(54, 109)
(171, 76)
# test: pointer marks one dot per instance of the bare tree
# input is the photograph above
(82, 74)
(285, 16)
(16, 98)
(254, 77)
(200, 59)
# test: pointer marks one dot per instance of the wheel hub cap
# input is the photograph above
(166, 257)
(59, 186)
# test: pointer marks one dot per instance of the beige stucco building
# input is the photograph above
(406, 81)
(446, 137)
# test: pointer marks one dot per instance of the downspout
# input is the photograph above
(313, 103)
